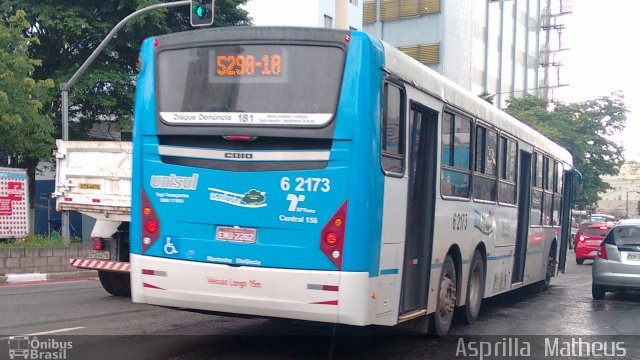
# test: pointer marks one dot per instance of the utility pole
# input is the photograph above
(66, 236)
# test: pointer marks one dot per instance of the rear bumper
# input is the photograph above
(603, 276)
(586, 252)
(324, 296)
(101, 265)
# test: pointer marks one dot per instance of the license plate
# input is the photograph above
(99, 254)
(235, 234)
(633, 256)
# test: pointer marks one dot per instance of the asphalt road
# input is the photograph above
(103, 326)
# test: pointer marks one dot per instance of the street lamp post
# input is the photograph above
(627, 202)
(66, 87)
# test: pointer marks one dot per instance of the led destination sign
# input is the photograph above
(248, 65)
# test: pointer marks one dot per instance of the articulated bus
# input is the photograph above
(323, 175)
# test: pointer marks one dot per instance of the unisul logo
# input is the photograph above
(25, 347)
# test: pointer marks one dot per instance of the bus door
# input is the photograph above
(423, 127)
(524, 205)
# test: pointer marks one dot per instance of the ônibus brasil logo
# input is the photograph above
(26, 347)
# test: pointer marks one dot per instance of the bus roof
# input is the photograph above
(437, 85)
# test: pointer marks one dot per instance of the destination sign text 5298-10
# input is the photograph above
(248, 65)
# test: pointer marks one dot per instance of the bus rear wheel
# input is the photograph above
(475, 288)
(446, 299)
(117, 284)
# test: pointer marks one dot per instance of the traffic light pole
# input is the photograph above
(66, 236)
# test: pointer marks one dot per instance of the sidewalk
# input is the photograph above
(39, 277)
(42, 264)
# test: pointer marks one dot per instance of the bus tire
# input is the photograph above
(117, 284)
(551, 271)
(445, 299)
(475, 288)
(579, 261)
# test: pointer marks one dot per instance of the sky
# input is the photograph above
(603, 56)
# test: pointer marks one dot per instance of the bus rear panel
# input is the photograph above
(254, 181)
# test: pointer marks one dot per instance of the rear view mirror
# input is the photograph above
(578, 185)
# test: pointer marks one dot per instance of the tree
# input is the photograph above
(488, 97)
(26, 132)
(584, 129)
(70, 30)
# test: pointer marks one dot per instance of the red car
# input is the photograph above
(588, 240)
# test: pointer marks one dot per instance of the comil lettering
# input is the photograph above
(174, 182)
(230, 155)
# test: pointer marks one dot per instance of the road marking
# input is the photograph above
(47, 332)
(56, 331)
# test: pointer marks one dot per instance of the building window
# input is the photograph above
(353, 2)
(395, 9)
(426, 54)
(328, 22)
(368, 12)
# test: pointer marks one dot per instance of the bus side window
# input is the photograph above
(508, 165)
(393, 115)
(535, 218)
(456, 151)
(484, 180)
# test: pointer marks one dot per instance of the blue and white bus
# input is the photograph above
(324, 175)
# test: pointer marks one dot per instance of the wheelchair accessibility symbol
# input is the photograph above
(169, 247)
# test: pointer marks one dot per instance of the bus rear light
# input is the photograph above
(96, 243)
(150, 223)
(332, 236)
(151, 227)
(331, 239)
(239, 138)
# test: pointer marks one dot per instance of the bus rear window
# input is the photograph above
(264, 85)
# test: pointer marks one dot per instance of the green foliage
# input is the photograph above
(70, 30)
(486, 96)
(36, 241)
(26, 131)
(584, 129)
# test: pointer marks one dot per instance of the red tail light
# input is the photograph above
(96, 243)
(332, 236)
(151, 227)
(240, 137)
(602, 251)
(150, 222)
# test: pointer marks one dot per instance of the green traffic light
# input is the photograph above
(200, 11)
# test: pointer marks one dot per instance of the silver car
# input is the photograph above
(617, 264)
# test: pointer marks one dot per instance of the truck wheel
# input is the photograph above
(117, 284)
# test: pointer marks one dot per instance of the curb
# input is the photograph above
(15, 278)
